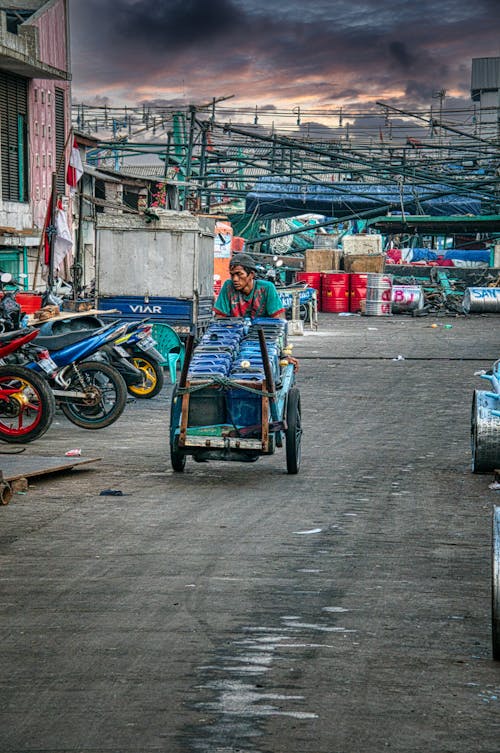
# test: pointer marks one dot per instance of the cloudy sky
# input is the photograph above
(316, 54)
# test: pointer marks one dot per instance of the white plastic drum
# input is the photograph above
(482, 300)
(407, 298)
(378, 294)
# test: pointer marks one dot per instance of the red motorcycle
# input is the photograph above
(27, 405)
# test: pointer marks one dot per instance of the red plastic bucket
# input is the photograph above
(29, 302)
(334, 292)
(358, 291)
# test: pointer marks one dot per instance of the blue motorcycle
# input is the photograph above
(90, 393)
(134, 354)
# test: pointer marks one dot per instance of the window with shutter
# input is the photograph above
(60, 139)
(13, 137)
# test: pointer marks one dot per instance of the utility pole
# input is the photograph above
(189, 160)
(167, 155)
(52, 236)
(203, 157)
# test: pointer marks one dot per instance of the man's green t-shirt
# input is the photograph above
(263, 300)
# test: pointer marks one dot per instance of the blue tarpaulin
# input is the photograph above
(455, 254)
(276, 195)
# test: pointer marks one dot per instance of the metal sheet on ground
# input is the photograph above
(26, 467)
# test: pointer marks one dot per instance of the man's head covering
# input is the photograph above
(243, 260)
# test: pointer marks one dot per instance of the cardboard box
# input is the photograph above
(318, 259)
(363, 263)
(362, 244)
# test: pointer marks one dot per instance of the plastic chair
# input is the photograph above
(171, 347)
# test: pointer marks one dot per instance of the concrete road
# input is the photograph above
(235, 608)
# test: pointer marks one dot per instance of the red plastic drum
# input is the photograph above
(358, 291)
(334, 292)
(313, 279)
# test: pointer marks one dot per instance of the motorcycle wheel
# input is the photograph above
(153, 377)
(27, 405)
(107, 396)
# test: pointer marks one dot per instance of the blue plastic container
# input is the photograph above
(244, 408)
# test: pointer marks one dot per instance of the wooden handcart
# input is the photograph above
(214, 418)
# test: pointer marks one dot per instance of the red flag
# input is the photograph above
(75, 167)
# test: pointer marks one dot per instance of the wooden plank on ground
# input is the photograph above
(20, 466)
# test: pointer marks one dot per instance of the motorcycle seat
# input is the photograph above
(57, 342)
(6, 337)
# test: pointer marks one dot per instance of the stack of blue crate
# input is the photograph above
(230, 348)
(217, 349)
(244, 407)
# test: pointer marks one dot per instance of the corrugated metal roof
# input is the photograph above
(485, 73)
(90, 170)
(151, 172)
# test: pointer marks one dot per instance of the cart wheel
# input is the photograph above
(485, 433)
(177, 457)
(293, 432)
(495, 583)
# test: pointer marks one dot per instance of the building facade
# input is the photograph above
(35, 124)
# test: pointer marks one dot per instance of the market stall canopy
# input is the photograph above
(423, 224)
(276, 195)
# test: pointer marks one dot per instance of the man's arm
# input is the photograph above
(274, 304)
(221, 305)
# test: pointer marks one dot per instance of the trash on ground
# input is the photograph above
(19, 485)
(73, 453)
(111, 493)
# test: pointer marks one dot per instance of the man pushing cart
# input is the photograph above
(236, 398)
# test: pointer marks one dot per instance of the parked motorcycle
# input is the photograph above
(27, 405)
(134, 354)
(90, 393)
(11, 316)
(140, 347)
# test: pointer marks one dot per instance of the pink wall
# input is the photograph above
(52, 36)
(42, 142)
(52, 28)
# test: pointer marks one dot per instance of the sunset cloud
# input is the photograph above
(321, 54)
